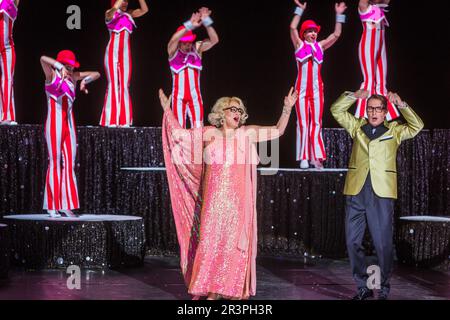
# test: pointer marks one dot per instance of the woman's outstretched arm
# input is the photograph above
(267, 133)
(340, 19)
(213, 37)
(295, 37)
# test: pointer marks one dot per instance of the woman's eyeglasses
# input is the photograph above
(235, 109)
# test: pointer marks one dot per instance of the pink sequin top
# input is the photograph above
(308, 50)
(56, 89)
(9, 8)
(182, 60)
(120, 22)
(374, 14)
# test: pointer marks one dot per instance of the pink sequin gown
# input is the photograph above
(214, 207)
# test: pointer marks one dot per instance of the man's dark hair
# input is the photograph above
(381, 98)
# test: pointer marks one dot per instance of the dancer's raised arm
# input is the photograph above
(295, 37)
(364, 4)
(49, 65)
(340, 19)
(213, 37)
(189, 25)
(110, 13)
(267, 133)
(143, 9)
(86, 77)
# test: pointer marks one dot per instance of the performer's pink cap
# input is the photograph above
(68, 57)
(189, 36)
(308, 24)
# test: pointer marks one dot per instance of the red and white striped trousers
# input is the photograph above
(309, 109)
(372, 57)
(118, 109)
(61, 192)
(187, 99)
(7, 65)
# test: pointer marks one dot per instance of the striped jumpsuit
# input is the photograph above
(187, 98)
(118, 109)
(8, 14)
(309, 107)
(61, 192)
(372, 57)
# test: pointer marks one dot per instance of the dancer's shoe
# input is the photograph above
(68, 213)
(304, 164)
(53, 214)
(317, 164)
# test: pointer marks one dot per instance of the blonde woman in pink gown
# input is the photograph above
(212, 179)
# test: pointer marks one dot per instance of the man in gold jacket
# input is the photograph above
(371, 183)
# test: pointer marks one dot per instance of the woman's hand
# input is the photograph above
(83, 86)
(196, 19)
(165, 101)
(302, 6)
(291, 99)
(340, 7)
(204, 12)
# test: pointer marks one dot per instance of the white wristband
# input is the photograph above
(189, 25)
(207, 22)
(298, 11)
(58, 66)
(88, 79)
(341, 18)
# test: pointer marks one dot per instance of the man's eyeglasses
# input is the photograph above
(375, 109)
(235, 109)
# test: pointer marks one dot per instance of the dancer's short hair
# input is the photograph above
(217, 115)
(379, 97)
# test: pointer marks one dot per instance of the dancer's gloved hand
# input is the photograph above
(361, 94)
(165, 101)
(340, 7)
(395, 99)
(299, 4)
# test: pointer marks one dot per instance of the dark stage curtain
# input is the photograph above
(298, 212)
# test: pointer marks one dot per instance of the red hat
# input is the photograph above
(308, 24)
(189, 36)
(68, 57)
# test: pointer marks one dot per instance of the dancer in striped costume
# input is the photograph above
(8, 14)
(118, 108)
(185, 59)
(61, 192)
(309, 55)
(372, 54)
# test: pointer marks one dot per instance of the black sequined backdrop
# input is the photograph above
(298, 212)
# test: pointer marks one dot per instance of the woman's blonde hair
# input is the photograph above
(217, 115)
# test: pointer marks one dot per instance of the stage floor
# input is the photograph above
(278, 279)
